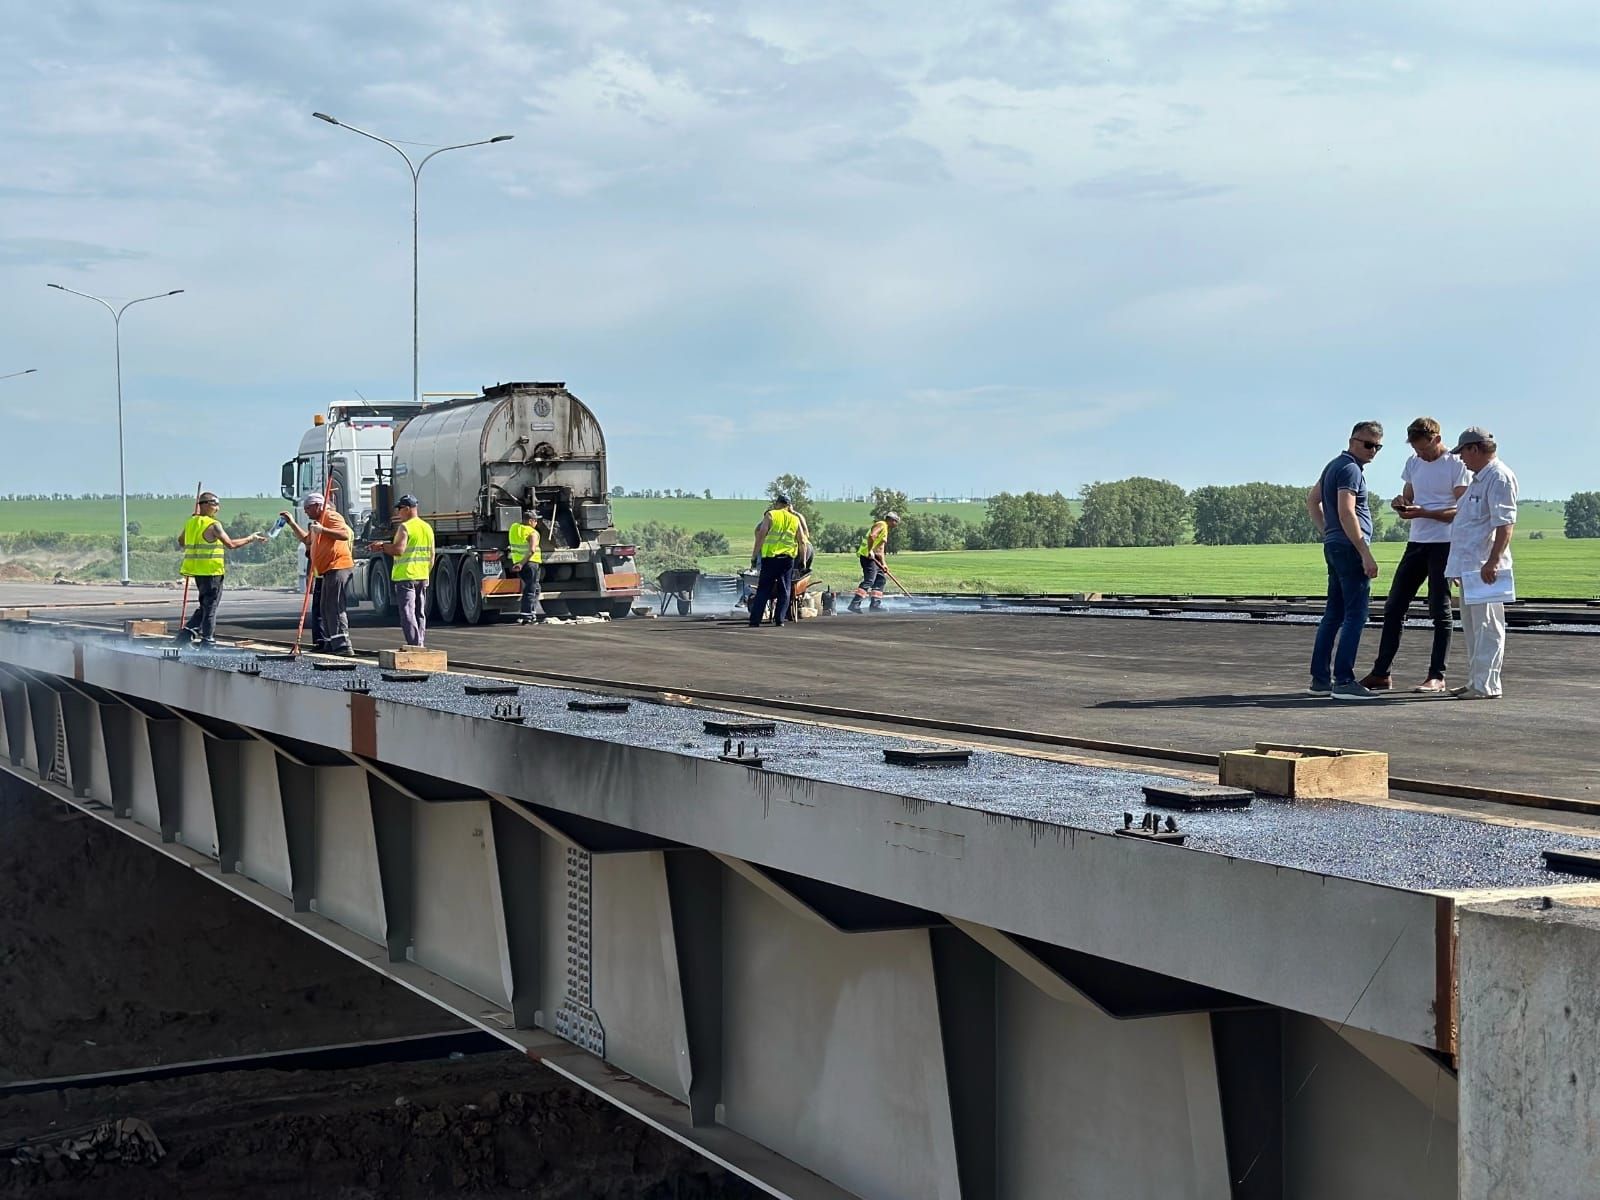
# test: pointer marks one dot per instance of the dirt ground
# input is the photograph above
(112, 957)
(492, 1125)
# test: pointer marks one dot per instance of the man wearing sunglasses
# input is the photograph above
(1337, 505)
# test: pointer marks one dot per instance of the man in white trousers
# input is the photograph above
(1480, 559)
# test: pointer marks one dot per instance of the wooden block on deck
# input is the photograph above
(413, 658)
(145, 627)
(1307, 772)
(13, 614)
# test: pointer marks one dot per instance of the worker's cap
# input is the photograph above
(312, 500)
(207, 498)
(406, 501)
(1473, 435)
(892, 516)
(781, 498)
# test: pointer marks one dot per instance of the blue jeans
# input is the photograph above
(1345, 616)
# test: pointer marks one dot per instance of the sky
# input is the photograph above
(942, 247)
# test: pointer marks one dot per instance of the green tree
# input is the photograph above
(1582, 518)
(1250, 514)
(709, 542)
(1133, 512)
(932, 531)
(799, 493)
(1029, 519)
(837, 538)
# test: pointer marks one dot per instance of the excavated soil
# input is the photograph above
(112, 957)
(491, 1125)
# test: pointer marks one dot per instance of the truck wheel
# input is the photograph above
(445, 575)
(378, 590)
(471, 590)
(623, 608)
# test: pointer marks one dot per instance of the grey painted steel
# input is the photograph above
(966, 977)
(694, 889)
(519, 854)
(263, 840)
(847, 1021)
(636, 993)
(456, 925)
(1154, 1096)
(348, 887)
(1352, 1130)
(576, 1019)
(392, 836)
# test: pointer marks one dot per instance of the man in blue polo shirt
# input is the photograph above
(1337, 505)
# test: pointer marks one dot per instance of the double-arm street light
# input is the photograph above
(415, 166)
(122, 467)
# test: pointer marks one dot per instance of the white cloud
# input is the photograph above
(723, 220)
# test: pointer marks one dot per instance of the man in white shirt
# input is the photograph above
(1480, 555)
(1434, 481)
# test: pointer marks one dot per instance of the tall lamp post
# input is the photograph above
(415, 167)
(122, 465)
(14, 374)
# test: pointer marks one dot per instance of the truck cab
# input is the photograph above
(357, 436)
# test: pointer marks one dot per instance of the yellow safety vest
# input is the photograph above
(200, 557)
(783, 534)
(525, 545)
(876, 536)
(415, 563)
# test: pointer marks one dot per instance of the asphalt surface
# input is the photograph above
(1191, 685)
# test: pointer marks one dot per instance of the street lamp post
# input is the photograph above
(122, 463)
(14, 374)
(415, 168)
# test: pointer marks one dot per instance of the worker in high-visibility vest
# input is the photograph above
(203, 542)
(780, 539)
(412, 550)
(874, 571)
(527, 555)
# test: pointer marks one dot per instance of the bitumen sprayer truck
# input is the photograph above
(474, 464)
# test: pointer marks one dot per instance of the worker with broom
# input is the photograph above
(203, 542)
(873, 568)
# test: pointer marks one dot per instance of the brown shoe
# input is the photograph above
(1431, 687)
(1377, 683)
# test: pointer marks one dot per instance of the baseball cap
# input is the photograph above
(1472, 435)
(406, 501)
(781, 498)
(206, 498)
(892, 516)
(312, 500)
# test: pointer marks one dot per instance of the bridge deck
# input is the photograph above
(1192, 685)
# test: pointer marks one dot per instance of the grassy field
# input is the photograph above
(736, 519)
(1550, 567)
(103, 516)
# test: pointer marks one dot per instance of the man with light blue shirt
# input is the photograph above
(1480, 560)
(1337, 505)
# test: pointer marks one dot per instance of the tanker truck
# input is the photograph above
(473, 465)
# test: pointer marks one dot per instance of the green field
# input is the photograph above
(737, 519)
(1551, 568)
(155, 517)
